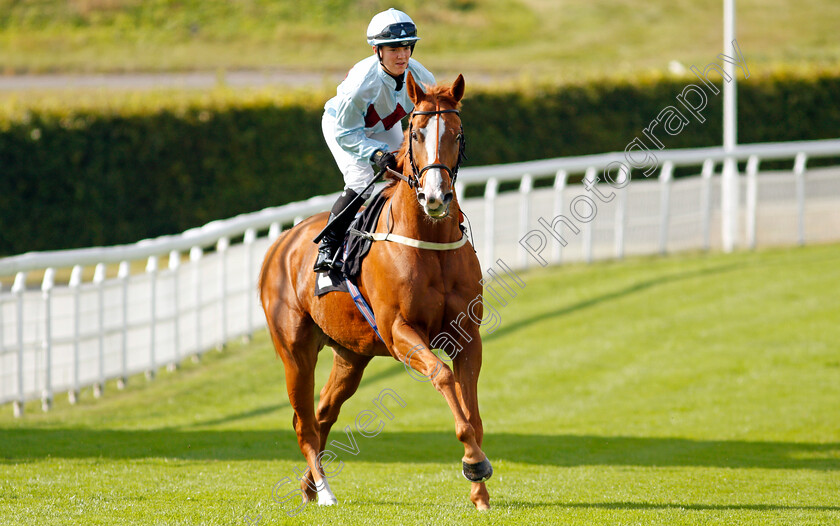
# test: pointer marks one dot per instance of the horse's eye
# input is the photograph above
(413, 136)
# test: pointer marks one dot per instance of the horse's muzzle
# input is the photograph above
(435, 207)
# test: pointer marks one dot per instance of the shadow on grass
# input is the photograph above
(416, 447)
(370, 379)
(665, 506)
(610, 296)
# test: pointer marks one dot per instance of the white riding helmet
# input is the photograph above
(392, 27)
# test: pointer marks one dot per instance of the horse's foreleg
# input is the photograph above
(411, 349)
(467, 365)
(345, 377)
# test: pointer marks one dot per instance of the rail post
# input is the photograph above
(526, 186)
(799, 175)
(46, 292)
(751, 203)
(75, 282)
(122, 274)
(99, 281)
(151, 270)
(18, 288)
(665, 178)
(174, 265)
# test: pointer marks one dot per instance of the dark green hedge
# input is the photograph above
(120, 179)
(95, 177)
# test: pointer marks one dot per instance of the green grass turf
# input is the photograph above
(560, 40)
(692, 389)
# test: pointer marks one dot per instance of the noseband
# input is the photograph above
(414, 178)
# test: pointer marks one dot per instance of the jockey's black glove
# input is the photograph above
(384, 160)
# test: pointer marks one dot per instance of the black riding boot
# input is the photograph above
(328, 250)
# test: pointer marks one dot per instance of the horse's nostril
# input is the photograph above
(421, 196)
(447, 198)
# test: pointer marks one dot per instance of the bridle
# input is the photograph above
(413, 179)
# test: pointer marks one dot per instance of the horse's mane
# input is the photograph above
(438, 95)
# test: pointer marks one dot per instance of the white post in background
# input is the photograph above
(250, 279)
(46, 291)
(75, 282)
(222, 246)
(151, 269)
(526, 186)
(799, 174)
(18, 289)
(665, 178)
(490, 193)
(560, 180)
(122, 275)
(621, 182)
(751, 200)
(729, 179)
(589, 175)
(706, 201)
(99, 281)
(174, 265)
(196, 253)
(729, 204)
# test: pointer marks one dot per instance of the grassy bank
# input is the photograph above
(696, 389)
(566, 41)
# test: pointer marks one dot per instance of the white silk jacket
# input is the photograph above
(367, 102)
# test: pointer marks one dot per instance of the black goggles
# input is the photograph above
(397, 31)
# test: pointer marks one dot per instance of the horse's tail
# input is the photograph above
(267, 260)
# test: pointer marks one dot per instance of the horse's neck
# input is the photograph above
(410, 220)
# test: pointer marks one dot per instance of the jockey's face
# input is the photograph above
(395, 59)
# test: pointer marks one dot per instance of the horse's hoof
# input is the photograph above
(478, 472)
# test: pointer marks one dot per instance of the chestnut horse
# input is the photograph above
(416, 294)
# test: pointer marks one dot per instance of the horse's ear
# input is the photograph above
(415, 92)
(457, 89)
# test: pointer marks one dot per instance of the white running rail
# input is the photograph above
(77, 318)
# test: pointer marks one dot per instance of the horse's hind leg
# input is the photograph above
(299, 352)
(344, 379)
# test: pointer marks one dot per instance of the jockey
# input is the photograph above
(362, 123)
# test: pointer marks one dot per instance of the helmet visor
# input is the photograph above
(397, 32)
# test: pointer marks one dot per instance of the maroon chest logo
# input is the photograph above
(371, 117)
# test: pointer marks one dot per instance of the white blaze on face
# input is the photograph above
(433, 181)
